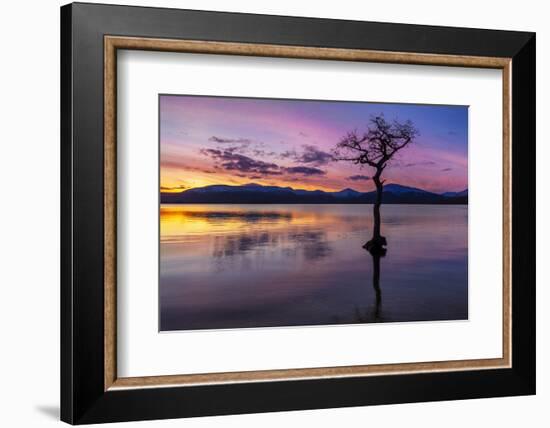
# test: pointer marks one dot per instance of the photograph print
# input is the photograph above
(290, 212)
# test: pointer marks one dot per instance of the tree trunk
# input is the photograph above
(377, 243)
(376, 209)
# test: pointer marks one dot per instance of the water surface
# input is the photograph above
(235, 266)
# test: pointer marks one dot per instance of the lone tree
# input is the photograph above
(376, 147)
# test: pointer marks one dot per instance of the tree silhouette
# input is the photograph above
(375, 148)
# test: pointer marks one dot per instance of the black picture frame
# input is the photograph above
(83, 398)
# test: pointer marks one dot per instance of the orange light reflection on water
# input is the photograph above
(178, 221)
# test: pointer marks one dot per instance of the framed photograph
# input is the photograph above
(267, 213)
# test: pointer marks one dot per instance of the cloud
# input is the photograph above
(229, 140)
(314, 156)
(446, 169)
(358, 177)
(231, 161)
(180, 187)
(423, 163)
(243, 146)
(304, 170)
(288, 154)
(310, 155)
(303, 134)
(243, 165)
(263, 153)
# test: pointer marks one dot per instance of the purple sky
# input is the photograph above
(222, 140)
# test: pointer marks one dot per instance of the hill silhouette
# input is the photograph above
(257, 194)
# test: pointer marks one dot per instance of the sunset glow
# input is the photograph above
(234, 141)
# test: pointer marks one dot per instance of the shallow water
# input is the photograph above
(235, 266)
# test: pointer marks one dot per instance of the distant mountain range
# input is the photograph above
(455, 194)
(257, 194)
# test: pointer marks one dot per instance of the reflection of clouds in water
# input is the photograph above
(181, 224)
(232, 245)
(241, 238)
(312, 244)
(231, 266)
(246, 216)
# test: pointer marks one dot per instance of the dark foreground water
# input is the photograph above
(235, 266)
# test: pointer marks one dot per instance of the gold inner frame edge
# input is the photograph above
(113, 43)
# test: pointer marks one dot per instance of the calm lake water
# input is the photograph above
(235, 266)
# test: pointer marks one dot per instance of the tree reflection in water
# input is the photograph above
(377, 315)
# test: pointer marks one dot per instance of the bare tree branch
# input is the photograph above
(378, 144)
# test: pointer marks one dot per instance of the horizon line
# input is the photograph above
(168, 190)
